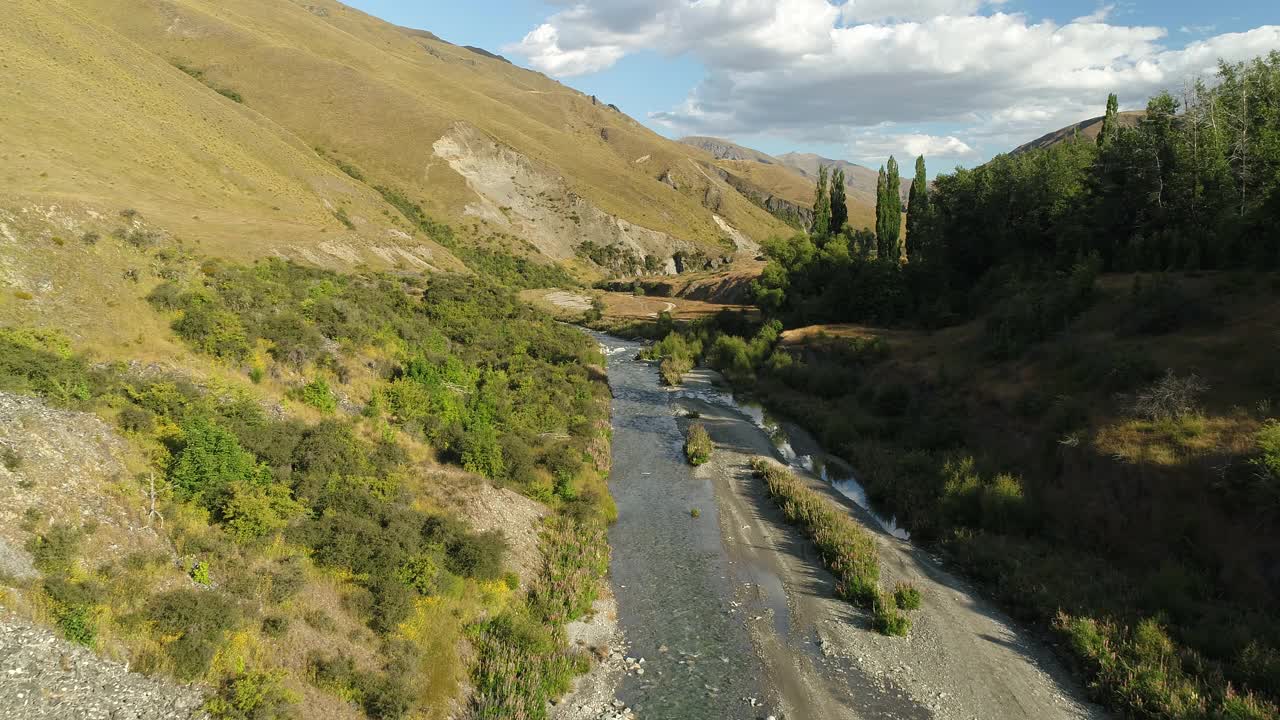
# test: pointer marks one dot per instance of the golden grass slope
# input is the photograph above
(93, 119)
(378, 97)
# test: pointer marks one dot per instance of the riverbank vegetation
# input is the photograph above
(310, 480)
(847, 550)
(1094, 445)
(698, 445)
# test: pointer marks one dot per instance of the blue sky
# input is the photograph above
(862, 80)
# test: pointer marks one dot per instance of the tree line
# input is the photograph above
(1193, 185)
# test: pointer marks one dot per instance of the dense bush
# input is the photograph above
(886, 617)
(1031, 311)
(252, 695)
(906, 596)
(40, 362)
(193, 623)
(318, 395)
(209, 466)
(698, 446)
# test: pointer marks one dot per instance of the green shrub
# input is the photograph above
(10, 459)
(695, 513)
(212, 331)
(78, 624)
(252, 695)
(200, 573)
(73, 604)
(210, 464)
(316, 394)
(275, 626)
(698, 445)
(886, 618)
(672, 369)
(136, 419)
(906, 596)
(1032, 311)
(1268, 444)
(197, 621)
(1159, 306)
(54, 552)
(40, 362)
(893, 399)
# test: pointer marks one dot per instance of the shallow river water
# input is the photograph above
(669, 571)
(733, 617)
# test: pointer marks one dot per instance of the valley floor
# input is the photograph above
(738, 616)
(962, 659)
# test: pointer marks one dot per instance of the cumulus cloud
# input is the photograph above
(811, 69)
(873, 146)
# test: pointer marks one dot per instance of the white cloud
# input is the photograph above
(1097, 16)
(809, 69)
(543, 43)
(863, 11)
(873, 146)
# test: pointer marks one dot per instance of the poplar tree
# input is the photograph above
(839, 209)
(1110, 125)
(917, 208)
(888, 213)
(882, 235)
(821, 207)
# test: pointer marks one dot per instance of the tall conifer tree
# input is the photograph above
(889, 213)
(917, 209)
(882, 210)
(821, 207)
(839, 209)
(1110, 125)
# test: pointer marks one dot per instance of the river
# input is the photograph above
(730, 608)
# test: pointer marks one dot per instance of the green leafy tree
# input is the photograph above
(839, 208)
(821, 207)
(209, 463)
(917, 209)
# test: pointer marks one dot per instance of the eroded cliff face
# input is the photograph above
(530, 200)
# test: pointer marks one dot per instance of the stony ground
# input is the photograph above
(43, 677)
(594, 695)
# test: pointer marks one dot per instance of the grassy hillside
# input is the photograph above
(308, 107)
(96, 124)
(363, 494)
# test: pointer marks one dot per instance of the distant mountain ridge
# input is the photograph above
(1085, 129)
(793, 176)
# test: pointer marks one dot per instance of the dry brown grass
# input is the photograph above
(100, 114)
(1179, 441)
